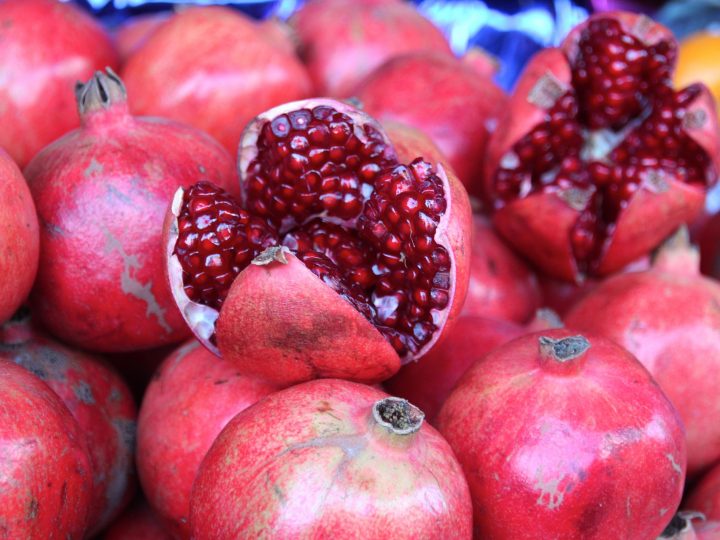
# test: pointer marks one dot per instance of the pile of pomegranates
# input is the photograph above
(293, 279)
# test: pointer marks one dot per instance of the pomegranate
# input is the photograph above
(133, 33)
(705, 497)
(20, 238)
(343, 41)
(137, 523)
(428, 383)
(45, 471)
(709, 241)
(410, 142)
(595, 144)
(215, 69)
(501, 285)
(98, 400)
(330, 459)
(668, 317)
(47, 46)
(335, 247)
(565, 436)
(682, 527)
(101, 192)
(442, 96)
(192, 396)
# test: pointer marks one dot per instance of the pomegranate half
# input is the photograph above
(338, 262)
(596, 144)
(330, 459)
(567, 436)
(668, 317)
(101, 193)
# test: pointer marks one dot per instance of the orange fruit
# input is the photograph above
(699, 61)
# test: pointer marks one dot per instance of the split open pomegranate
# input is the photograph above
(599, 158)
(339, 261)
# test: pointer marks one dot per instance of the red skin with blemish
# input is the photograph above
(99, 401)
(343, 41)
(45, 470)
(311, 462)
(138, 522)
(705, 497)
(101, 193)
(502, 286)
(215, 69)
(191, 398)
(669, 318)
(585, 448)
(47, 46)
(442, 96)
(20, 238)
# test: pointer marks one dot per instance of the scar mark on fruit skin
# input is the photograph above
(84, 393)
(95, 167)
(674, 463)
(119, 195)
(130, 285)
(550, 496)
(52, 229)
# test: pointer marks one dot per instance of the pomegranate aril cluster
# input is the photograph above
(311, 162)
(216, 240)
(621, 93)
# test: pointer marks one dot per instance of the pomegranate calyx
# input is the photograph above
(102, 91)
(563, 350)
(272, 254)
(398, 415)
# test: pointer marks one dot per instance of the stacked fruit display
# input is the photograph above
(315, 254)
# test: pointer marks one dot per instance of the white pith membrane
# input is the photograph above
(202, 318)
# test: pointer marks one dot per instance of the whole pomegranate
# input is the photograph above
(669, 319)
(429, 382)
(138, 522)
(191, 398)
(134, 32)
(47, 45)
(343, 41)
(336, 247)
(705, 497)
(595, 144)
(501, 285)
(214, 69)
(330, 459)
(99, 401)
(45, 471)
(19, 239)
(565, 436)
(442, 96)
(101, 193)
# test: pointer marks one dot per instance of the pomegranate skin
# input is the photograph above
(343, 41)
(442, 96)
(20, 238)
(313, 461)
(501, 285)
(47, 47)
(192, 396)
(45, 471)
(558, 440)
(705, 497)
(99, 401)
(138, 522)
(208, 65)
(539, 225)
(667, 317)
(428, 382)
(104, 189)
(133, 33)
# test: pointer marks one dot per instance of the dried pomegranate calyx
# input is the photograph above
(398, 415)
(102, 91)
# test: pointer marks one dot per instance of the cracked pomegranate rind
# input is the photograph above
(599, 158)
(338, 262)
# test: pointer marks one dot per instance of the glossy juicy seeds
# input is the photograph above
(216, 240)
(607, 136)
(400, 221)
(311, 162)
(615, 72)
